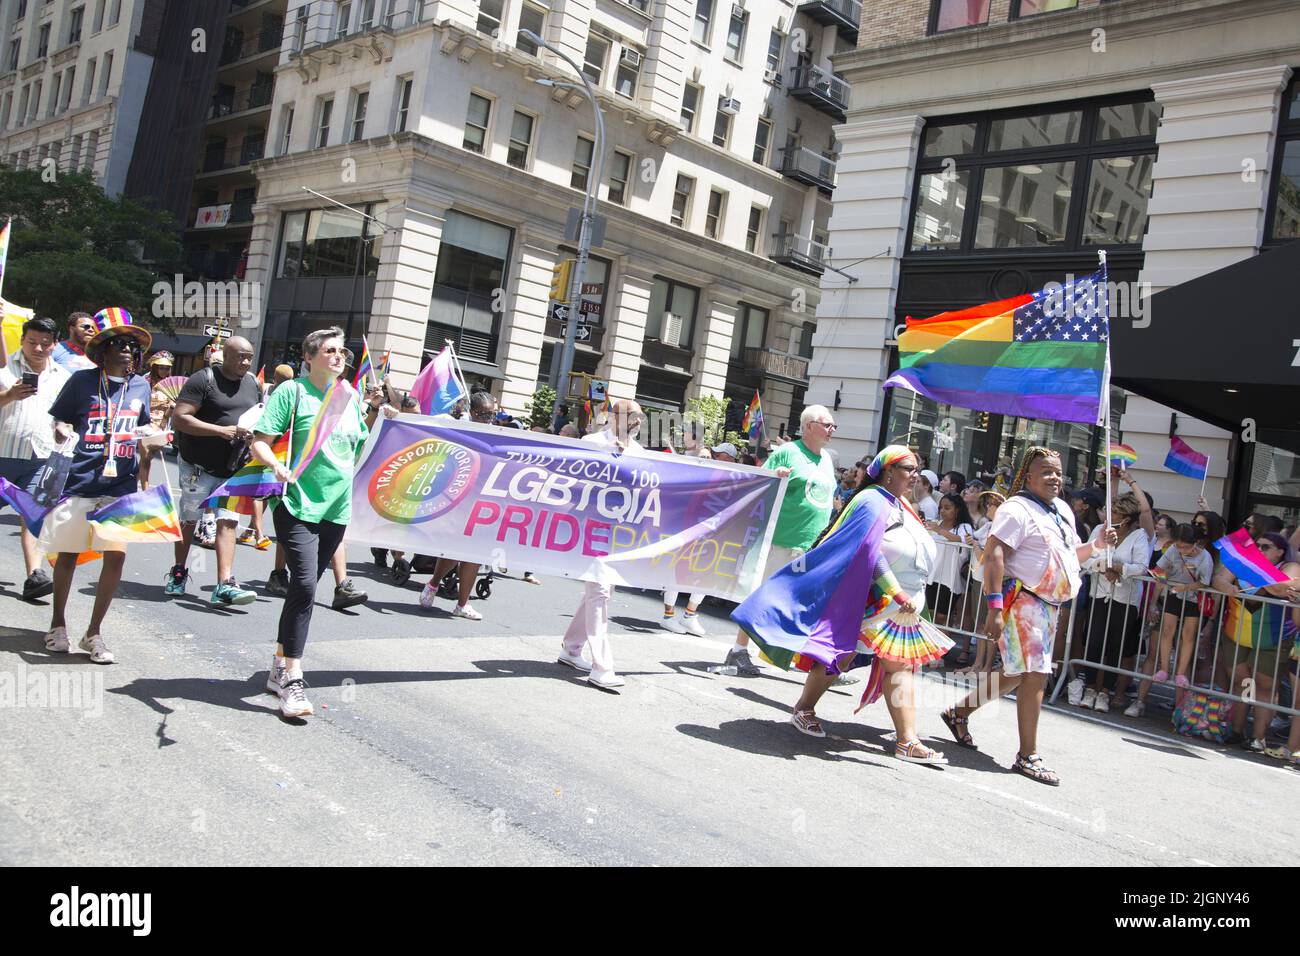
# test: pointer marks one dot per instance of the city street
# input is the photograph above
(443, 741)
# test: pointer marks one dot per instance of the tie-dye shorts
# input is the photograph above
(1028, 635)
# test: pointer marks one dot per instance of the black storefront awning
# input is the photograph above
(179, 344)
(1224, 347)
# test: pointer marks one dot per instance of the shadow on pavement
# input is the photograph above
(767, 738)
(637, 625)
(1178, 750)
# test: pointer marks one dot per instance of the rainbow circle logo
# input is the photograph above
(423, 480)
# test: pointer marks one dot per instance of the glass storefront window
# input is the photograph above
(1025, 206)
(1118, 190)
(291, 245)
(1127, 121)
(333, 243)
(941, 210)
(1275, 472)
(1286, 214)
(471, 268)
(1035, 132)
(957, 139)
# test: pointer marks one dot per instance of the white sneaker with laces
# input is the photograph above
(428, 595)
(673, 623)
(1089, 699)
(576, 661)
(293, 698)
(691, 622)
(1135, 709)
(1074, 691)
(606, 680)
(1102, 704)
(467, 612)
(275, 676)
(57, 640)
(93, 644)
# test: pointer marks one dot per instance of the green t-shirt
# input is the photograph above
(324, 491)
(806, 508)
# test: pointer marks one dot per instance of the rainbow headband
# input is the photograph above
(888, 455)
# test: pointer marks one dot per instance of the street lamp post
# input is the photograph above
(589, 202)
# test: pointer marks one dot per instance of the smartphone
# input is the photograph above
(31, 379)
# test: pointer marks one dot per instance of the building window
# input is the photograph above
(489, 17)
(43, 41)
(754, 230)
(69, 78)
(286, 128)
(476, 122)
(360, 102)
(533, 19)
(721, 128)
(324, 110)
(328, 243)
(762, 141)
(750, 331)
(774, 44)
(342, 17)
(472, 258)
(53, 106)
(714, 215)
(594, 59)
(619, 177)
(736, 33)
(367, 19)
(1284, 213)
(107, 79)
(521, 140)
(671, 316)
(703, 20)
(403, 103)
(114, 13)
(690, 106)
(98, 23)
(582, 155)
(14, 47)
(22, 10)
(88, 88)
(23, 103)
(1030, 8)
(955, 14)
(6, 110)
(1073, 178)
(75, 18)
(681, 201)
(629, 71)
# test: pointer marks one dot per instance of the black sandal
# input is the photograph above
(1032, 767)
(962, 735)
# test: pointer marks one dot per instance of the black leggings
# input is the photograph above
(309, 547)
(1110, 640)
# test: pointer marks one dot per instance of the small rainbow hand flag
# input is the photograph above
(1247, 562)
(364, 368)
(1185, 459)
(143, 516)
(1121, 455)
(753, 423)
(384, 364)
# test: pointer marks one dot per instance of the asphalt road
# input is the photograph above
(444, 741)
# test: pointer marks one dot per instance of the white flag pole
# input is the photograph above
(456, 370)
(1205, 475)
(1105, 399)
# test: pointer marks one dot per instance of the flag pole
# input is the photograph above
(1105, 397)
(1205, 474)
(457, 370)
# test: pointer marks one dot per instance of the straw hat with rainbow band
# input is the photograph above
(112, 322)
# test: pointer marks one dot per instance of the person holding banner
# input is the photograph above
(29, 384)
(328, 432)
(1034, 550)
(104, 405)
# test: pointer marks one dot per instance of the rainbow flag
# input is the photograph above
(254, 480)
(1121, 455)
(143, 516)
(437, 388)
(1039, 355)
(4, 250)
(336, 403)
(384, 364)
(364, 368)
(1185, 459)
(24, 504)
(753, 422)
(1247, 562)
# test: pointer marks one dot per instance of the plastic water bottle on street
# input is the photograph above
(724, 670)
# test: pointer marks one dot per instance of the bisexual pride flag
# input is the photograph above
(140, 517)
(1038, 355)
(24, 504)
(1247, 562)
(1185, 459)
(437, 388)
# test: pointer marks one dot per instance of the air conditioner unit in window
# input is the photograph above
(729, 105)
(737, 11)
(771, 76)
(672, 334)
(630, 56)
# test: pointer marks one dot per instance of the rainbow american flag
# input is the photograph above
(753, 422)
(1038, 355)
(1121, 455)
(364, 368)
(143, 516)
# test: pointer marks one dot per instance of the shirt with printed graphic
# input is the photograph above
(84, 403)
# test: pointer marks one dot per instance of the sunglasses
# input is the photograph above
(120, 342)
(334, 350)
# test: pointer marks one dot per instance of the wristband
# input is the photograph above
(994, 601)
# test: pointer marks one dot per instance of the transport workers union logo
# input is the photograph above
(423, 480)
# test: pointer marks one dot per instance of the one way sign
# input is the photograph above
(581, 334)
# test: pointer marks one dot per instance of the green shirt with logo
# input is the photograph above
(809, 493)
(324, 490)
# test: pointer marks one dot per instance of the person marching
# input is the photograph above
(212, 447)
(313, 514)
(29, 385)
(103, 405)
(1034, 550)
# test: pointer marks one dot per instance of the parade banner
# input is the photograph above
(532, 502)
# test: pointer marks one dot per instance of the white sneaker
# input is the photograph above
(275, 676)
(674, 624)
(57, 640)
(1102, 706)
(427, 595)
(1089, 699)
(693, 626)
(467, 612)
(577, 662)
(94, 646)
(1136, 709)
(293, 698)
(605, 681)
(1074, 691)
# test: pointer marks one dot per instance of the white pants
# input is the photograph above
(670, 599)
(590, 628)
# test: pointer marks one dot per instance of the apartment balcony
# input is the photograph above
(799, 252)
(225, 158)
(844, 15)
(239, 48)
(254, 98)
(821, 90)
(806, 166)
(389, 16)
(778, 365)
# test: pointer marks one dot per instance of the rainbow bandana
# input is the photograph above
(888, 455)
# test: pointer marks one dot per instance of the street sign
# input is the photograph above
(560, 312)
(219, 330)
(589, 308)
(592, 288)
(581, 334)
(574, 221)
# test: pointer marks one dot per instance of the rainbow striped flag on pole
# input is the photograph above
(1038, 355)
(753, 421)
(141, 517)
(364, 368)
(1121, 455)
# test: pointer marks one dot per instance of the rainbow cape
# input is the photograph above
(364, 368)
(1247, 562)
(1121, 455)
(812, 609)
(1185, 459)
(1039, 355)
(753, 423)
(142, 516)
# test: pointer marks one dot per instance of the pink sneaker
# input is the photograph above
(1182, 682)
(1161, 676)
(428, 594)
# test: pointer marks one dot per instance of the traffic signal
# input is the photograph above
(982, 420)
(561, 276)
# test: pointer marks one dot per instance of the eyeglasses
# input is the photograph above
(829, 426)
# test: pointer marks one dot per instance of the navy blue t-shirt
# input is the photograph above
(81, 404)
